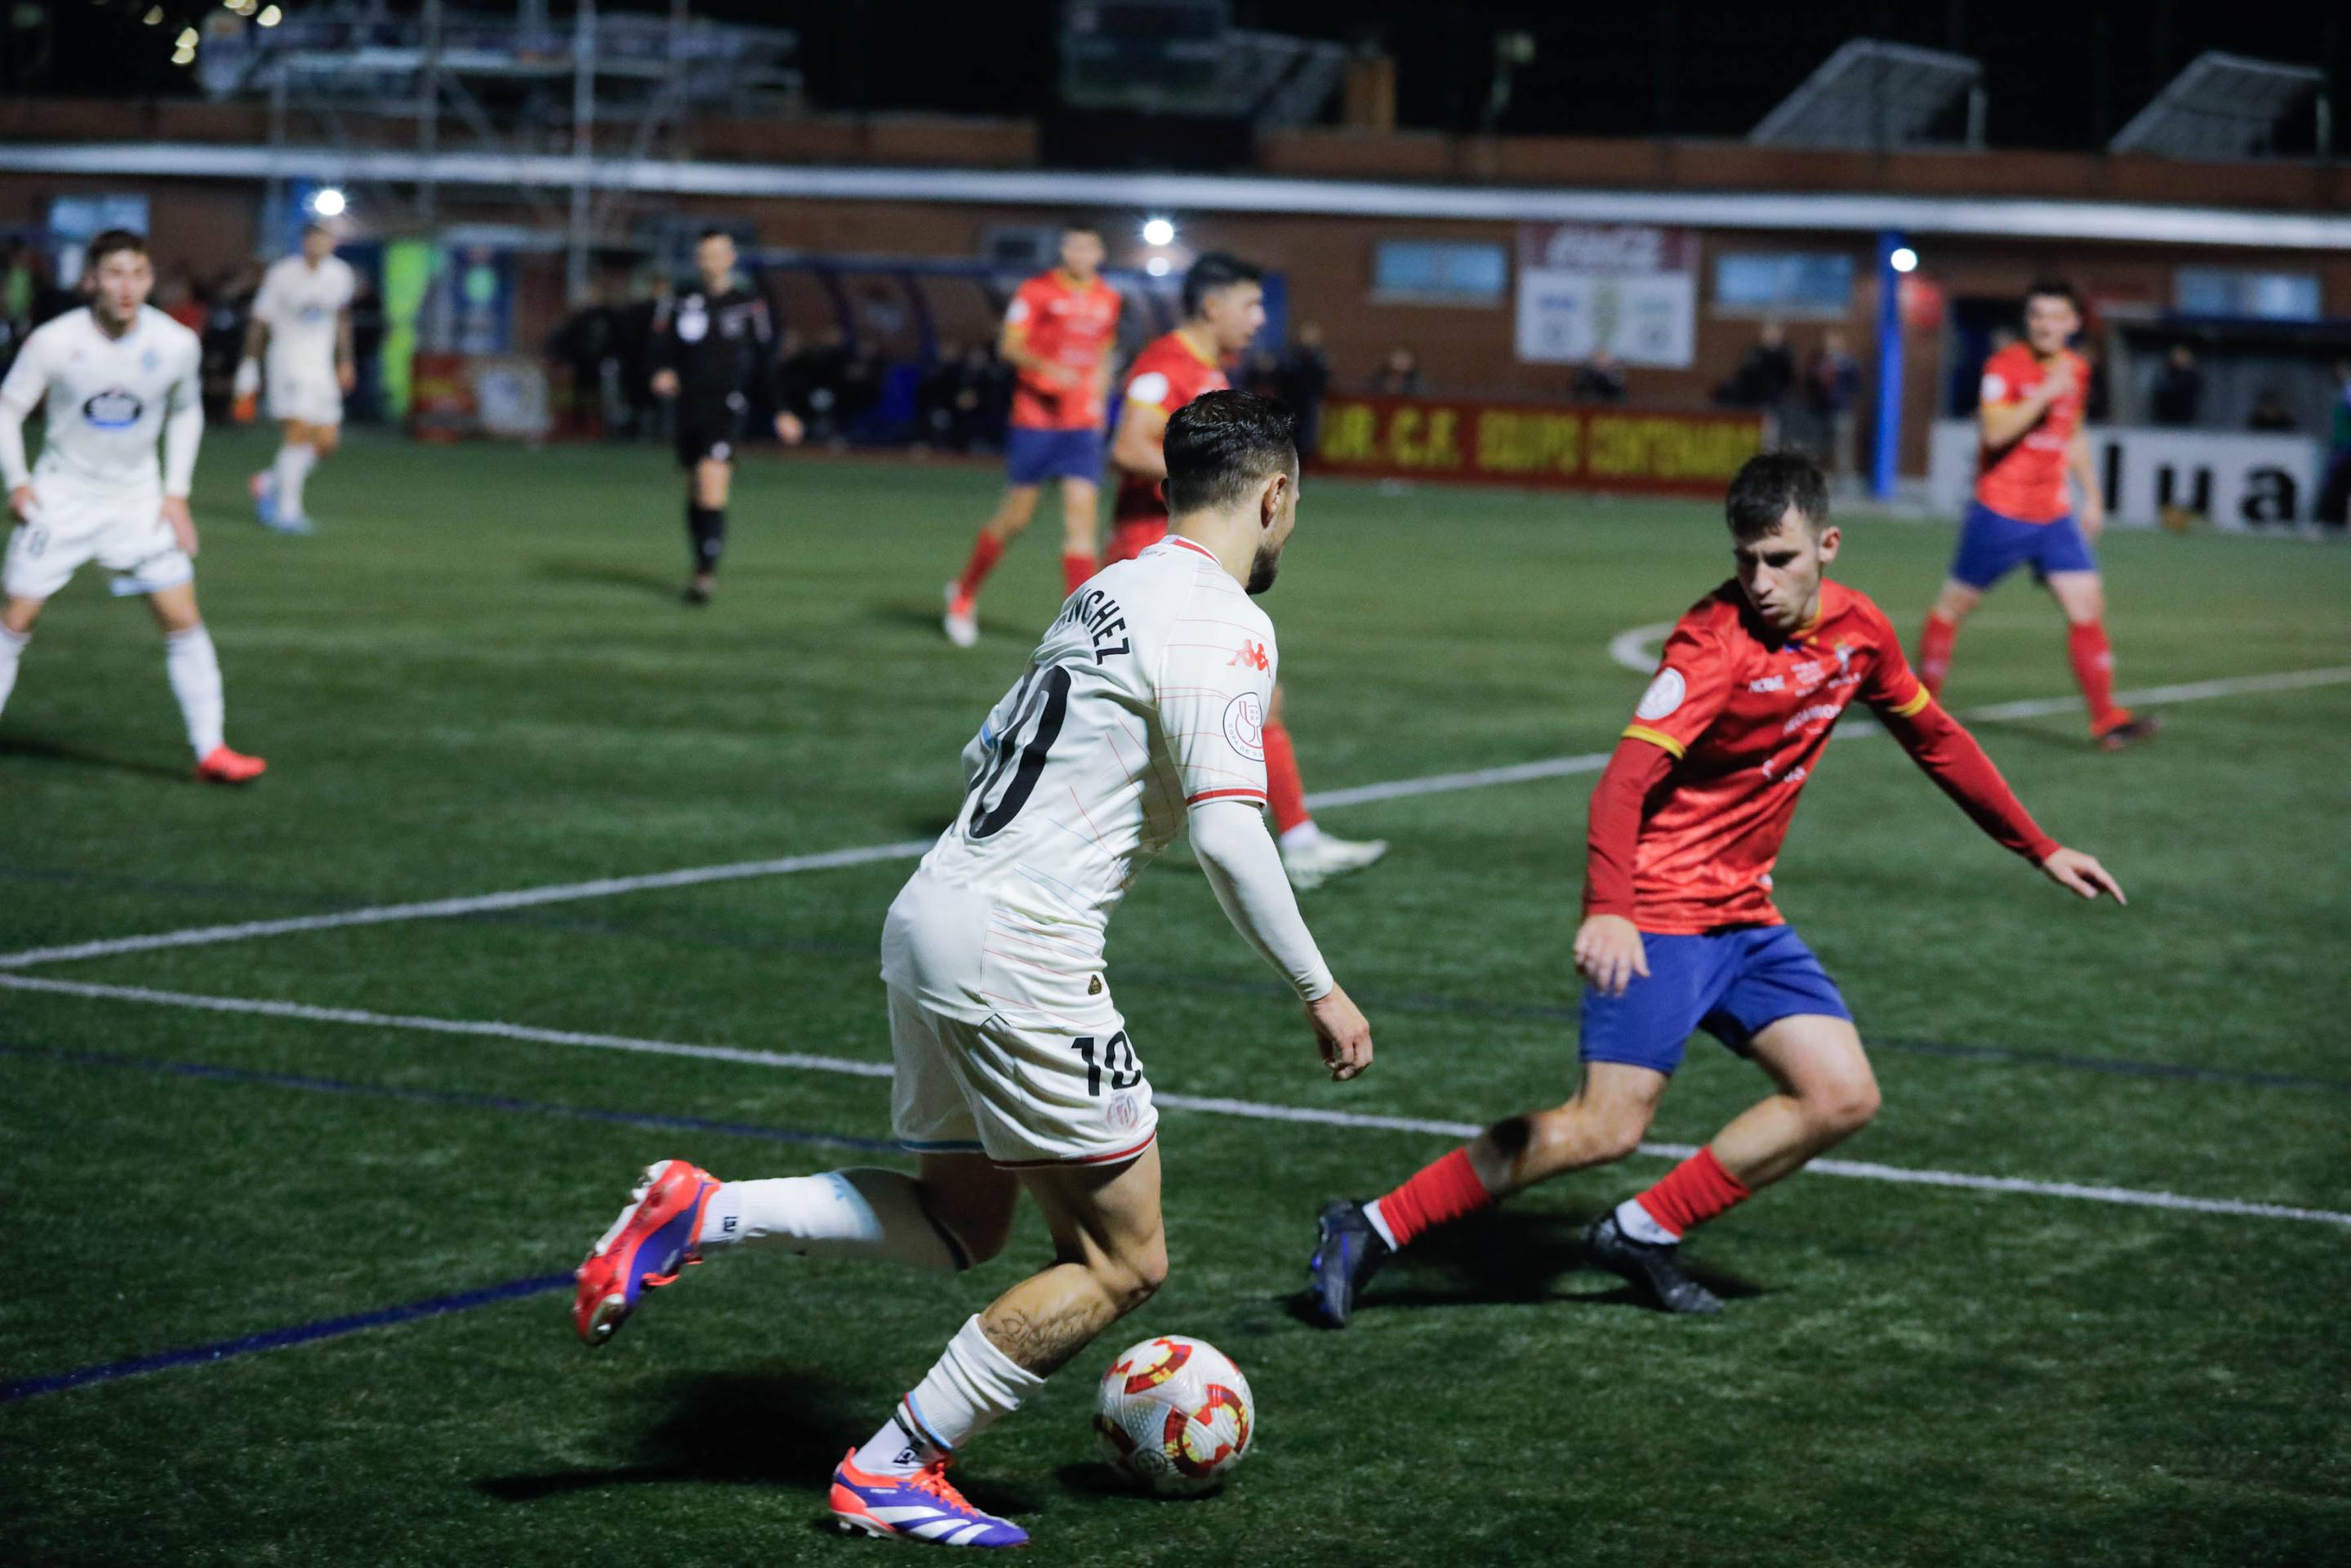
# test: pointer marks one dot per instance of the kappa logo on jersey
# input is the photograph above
(115, 408)
(1245, 726)
(1251, 654)
(1664, 696)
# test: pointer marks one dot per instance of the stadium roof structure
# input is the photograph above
(2015, 218)
(1874, 96)
(2224, 107)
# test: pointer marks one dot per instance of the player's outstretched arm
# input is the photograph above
(1239, 857)
(1941, 746)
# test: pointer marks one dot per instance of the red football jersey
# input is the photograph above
(1166, 375)
(1067, 326)
(2027, 480)
(1745, 715)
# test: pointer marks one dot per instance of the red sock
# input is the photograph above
(2093, 666)
(1935, 653)
(1075, 570)
(1434, 1196)
(1693, 1192)
(984, 552)
(1284, 790)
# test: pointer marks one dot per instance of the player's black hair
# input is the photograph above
(1766, 486)
(1074, 225)
(2053, 288)
(1222, 445)
(1217, 270)
(108, 243)
(712, 232)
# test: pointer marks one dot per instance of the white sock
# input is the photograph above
(971, 1387)
(12, 649)
(1380, 1223)
(293, 466)
(195, 669)
(860, 1213)
(1637, 1223)
(1304, 836)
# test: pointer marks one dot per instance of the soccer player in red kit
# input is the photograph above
(1679, 933)
(2032, 440)
(1060, 334)
(1223, 308)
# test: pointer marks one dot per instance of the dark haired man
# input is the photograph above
(1139, 715)
(1224, 307)
(1679, 933)
(2031, 443)
(117, 376)
(1059, 334)
(713, 345)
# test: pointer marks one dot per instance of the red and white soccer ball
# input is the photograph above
(1176, 1415)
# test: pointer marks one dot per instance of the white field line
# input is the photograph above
(1253, 1110)
(1432, 784)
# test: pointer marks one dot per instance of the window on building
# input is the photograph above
(2236, 291)
(1439, 272)
(1783, 283)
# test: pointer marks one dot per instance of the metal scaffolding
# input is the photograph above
(353, 76)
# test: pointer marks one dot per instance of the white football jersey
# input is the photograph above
(299, 303)
(108, 396)
(1148, 695)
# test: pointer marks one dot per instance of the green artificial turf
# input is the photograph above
(477, 677)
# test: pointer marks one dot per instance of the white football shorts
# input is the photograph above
(1020, 1093)
(313, 399)
(123, 531)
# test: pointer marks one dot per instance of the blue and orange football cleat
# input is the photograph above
(923, 1506)
(646, 1248)
(222, 766)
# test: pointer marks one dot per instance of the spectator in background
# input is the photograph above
(2335, 494)
(176, 298)
(1833, 388)
(1301, 379)
(1766, 373)
(1400, 376)
(2271, 415)
(584, 345)
(2179, 390)
(1600, 379)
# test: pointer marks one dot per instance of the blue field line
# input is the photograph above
(451, 1097)
(279, 1339)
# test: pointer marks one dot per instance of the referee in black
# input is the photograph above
(711, 347)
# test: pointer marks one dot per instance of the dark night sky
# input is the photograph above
(2059, 75)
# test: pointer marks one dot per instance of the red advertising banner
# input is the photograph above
(1545, 445)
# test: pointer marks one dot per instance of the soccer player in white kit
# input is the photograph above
(1138, 715)
(302, 321)
(117, 375)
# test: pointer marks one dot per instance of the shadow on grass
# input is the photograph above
(786, 1428)
(36, 750)
(908, 617)
(609, 574)
(1512, 1256)
(2033, 732)
(1100, 1479)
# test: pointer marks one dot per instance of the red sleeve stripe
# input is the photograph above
(1257, 795)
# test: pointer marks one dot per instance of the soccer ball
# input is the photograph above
(1176, 1415)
